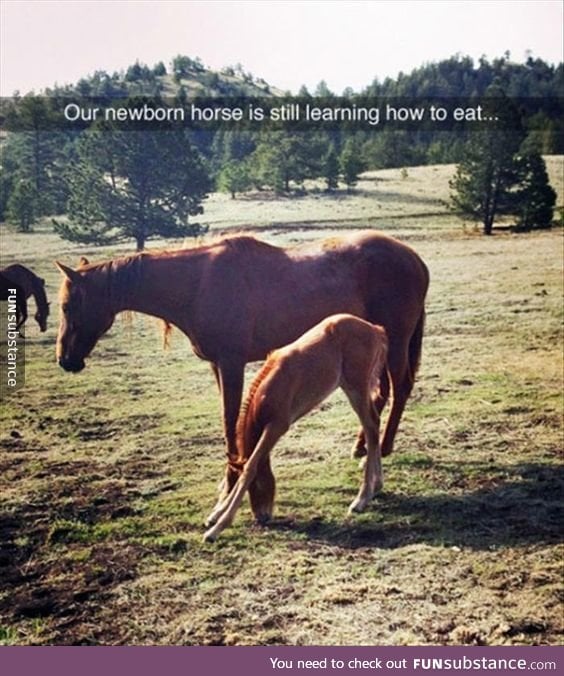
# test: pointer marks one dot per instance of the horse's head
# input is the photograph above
(85, 315)
(42, 310)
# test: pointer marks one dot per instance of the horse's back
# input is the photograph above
(24, 277)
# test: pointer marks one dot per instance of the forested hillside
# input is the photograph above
(39, 165)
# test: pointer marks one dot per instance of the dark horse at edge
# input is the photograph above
(26, 283)
(239, 298)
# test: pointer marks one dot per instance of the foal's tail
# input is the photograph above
(415, 344)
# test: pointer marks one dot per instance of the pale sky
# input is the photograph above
(286, 42)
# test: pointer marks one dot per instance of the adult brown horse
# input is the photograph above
(239, 298)
(29, 284)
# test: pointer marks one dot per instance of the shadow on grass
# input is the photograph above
(524, 509)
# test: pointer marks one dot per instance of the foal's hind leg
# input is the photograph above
(372, 481)
(379, 400)
(370, 420)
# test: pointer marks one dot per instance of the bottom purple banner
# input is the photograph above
(263, 661)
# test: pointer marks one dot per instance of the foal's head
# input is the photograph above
(85, 315)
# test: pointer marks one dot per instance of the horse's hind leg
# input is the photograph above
(401, 385)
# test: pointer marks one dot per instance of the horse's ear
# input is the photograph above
(69, 273)
(83, 261)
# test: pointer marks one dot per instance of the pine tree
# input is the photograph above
(485, 181)
(331, 169)
(34, 156)
(352, 163)
(234, 178)
(23, 205)
(535, 197)
(282, 157)
(134, 185)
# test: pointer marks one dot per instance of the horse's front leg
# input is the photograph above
(21, 312)
(230, 374)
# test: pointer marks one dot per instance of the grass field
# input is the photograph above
(107, 476)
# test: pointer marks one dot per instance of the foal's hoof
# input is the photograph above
(210, 535)
(213, 517)
(357, 507)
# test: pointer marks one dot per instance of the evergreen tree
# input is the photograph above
(322, 90)
(234, 178)
(485, 181)
(134, 185)
(159, 69)
(282, 157)
(23, 205)
(34, 154)
(352, 163)
(331, 169)
(535, 197)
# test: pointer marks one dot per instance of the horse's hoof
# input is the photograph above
(262, 519)
(358, 451)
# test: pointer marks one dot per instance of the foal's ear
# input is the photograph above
(83, 261)
(69, 273)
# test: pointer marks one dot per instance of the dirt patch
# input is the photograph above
(59, 555)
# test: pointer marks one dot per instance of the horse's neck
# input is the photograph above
(38, 291)
(147, 284)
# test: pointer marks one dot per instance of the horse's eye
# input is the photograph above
(65, 308)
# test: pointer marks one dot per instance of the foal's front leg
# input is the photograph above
(225, 512)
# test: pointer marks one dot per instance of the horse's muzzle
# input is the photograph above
(71, 366)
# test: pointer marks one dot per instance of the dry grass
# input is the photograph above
(106, 477)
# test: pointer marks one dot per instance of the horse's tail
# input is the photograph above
(415, 344)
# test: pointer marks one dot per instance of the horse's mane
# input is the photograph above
(245, 243)
(39, 294)
(248, 426)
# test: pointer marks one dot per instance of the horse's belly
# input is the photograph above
(284, 325)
